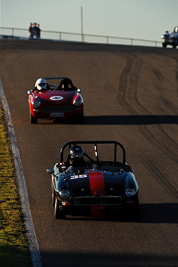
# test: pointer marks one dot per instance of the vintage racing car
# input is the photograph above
(90, 184)
(63, 100)
(170, 38)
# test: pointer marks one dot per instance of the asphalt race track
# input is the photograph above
(131, 96)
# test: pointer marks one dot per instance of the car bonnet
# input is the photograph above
(97, 183)
(56, 95)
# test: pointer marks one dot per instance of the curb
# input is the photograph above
(28, 222)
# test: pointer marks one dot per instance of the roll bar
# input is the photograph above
(56, 78)
(95, 143)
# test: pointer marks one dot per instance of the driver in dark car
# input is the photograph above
(75, 158)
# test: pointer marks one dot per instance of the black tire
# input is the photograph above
(58, 213)
(33, 120)
(136, 212)
(80, 119)
(133, 212)
(164, 45)
(56, 210)
(52, 194)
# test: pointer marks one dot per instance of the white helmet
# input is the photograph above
(41, 84)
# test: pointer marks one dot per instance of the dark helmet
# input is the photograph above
(76, 155)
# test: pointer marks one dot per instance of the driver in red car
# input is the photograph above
(41, 84)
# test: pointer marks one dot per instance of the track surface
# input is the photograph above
(131, 96)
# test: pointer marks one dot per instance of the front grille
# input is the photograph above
(93, 200)
(56, 109)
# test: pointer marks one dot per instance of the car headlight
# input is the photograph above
(130, 192)
(78, 100)
(64, 193)
(36, 103)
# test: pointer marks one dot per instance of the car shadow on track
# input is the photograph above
(98, 259)
(149, 213)
(131, 119)
(118, 120)
(159, 213)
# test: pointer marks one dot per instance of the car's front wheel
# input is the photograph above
(58, 213)
(52, 194)
(80, 119)
(33, 120)
(133, 212)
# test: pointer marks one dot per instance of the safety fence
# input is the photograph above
(20, 33)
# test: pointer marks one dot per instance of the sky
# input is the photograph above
(139, 19)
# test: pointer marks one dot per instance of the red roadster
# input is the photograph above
(52, 102)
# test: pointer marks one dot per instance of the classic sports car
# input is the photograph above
(55, 101)
(89, 184)
(170, 38)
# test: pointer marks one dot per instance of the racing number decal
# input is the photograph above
(78, 176)
(56, 98)
(97, 188)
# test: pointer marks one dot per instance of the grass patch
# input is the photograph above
(14, 249)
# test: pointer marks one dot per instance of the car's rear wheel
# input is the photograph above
(58, 213)
(33, 120)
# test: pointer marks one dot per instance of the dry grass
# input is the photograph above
(14, 249)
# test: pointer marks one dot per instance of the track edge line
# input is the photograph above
(27, 217)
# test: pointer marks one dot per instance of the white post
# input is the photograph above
(82, 37)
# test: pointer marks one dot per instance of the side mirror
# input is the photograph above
(49, 171)
(79, 90)
(29, 92)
